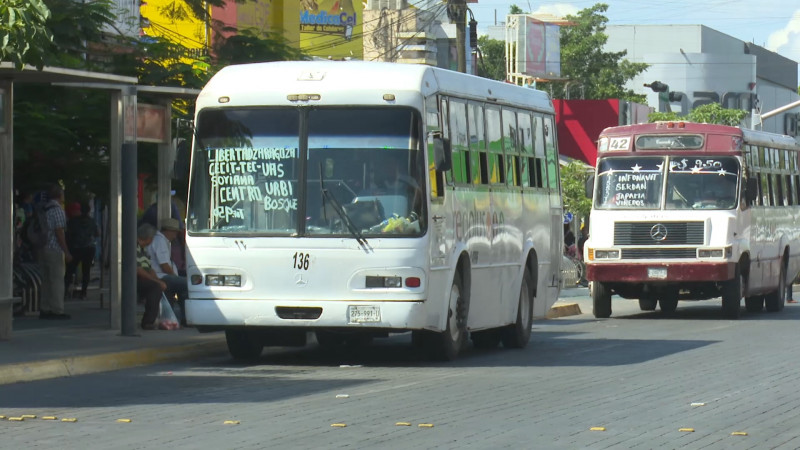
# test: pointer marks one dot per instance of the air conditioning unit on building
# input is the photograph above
(388, 4)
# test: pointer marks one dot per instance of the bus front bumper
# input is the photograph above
(387, 315)
(660, 272)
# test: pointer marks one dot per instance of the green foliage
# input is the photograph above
(514, 9)
(601, 75)
(253, 45)
(492, 62)
(709, 113)
(573, 188)
(23, 33)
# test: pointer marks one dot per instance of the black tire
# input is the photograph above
(243, 345)
(668, 301)
(732, 293)
(518, 334)
(446, 345)
(648, 303)
(754, 304)
(774, 301)
(485, 339)
(358, 340)
(601, 300)
(329, 339)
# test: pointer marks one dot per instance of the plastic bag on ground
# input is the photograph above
(167, 320)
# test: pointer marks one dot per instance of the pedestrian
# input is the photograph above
(82, 232)
(160, 253)
(53, 256)
(149, 287)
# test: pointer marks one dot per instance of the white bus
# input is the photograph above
(358, 199)
(688, 211)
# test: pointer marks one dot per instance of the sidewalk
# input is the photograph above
(44, 349)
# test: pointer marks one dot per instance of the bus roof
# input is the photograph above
(356, 82)
(754, 137)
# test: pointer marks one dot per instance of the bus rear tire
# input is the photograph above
(485, 339)
(243, 344)
(732, 293)
(329, 339)
(774, 301)
(648, 302)
(601, 300)
(668, 302)
(754, 304)
(518, 334)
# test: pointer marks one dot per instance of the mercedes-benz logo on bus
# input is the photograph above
(658, 232)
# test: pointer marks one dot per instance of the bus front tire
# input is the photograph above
(601, 300)
(732, 293)
(243, 345)
(447, 344)
(518, 334)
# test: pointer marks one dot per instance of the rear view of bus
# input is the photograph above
(685, 211)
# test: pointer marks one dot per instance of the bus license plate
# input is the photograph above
(364, 314)
(657, 272)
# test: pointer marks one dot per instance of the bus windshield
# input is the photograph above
(325, 172)
(638, 183)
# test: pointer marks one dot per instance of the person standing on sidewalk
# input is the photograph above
(53, 257)
(149, 287)
(81, 234)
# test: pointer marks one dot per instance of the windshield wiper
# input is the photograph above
(326, 195)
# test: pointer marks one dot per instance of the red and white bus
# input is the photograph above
(688, 211)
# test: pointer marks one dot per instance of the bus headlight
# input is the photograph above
(606, 254)
(224, 280)
(714, 252)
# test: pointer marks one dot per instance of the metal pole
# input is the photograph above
(129, 207)
(6, 207)
(113, 239)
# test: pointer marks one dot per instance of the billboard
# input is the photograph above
(538, 47)
(331, 28)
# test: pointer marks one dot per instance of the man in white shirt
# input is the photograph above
(160, 252)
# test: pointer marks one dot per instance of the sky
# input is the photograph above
(772, 24)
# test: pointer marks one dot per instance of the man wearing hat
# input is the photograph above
(160, 252)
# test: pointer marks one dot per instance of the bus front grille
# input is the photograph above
(658, 253)
(651, 233)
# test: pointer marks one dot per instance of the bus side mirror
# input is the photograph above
(751, 190)
(442, 154)
(589, 186)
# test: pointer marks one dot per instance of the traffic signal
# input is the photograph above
(657, 86)
(473, 33)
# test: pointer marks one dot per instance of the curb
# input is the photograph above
(82, 365)
(567, 309)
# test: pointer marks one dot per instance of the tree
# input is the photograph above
(600, 74)
(709, 113)
(514, 9)
(573, 188)
(492, 62)
(23, 33)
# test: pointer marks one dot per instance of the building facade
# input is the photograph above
(701, 65)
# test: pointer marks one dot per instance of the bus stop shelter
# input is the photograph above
(123, 178)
